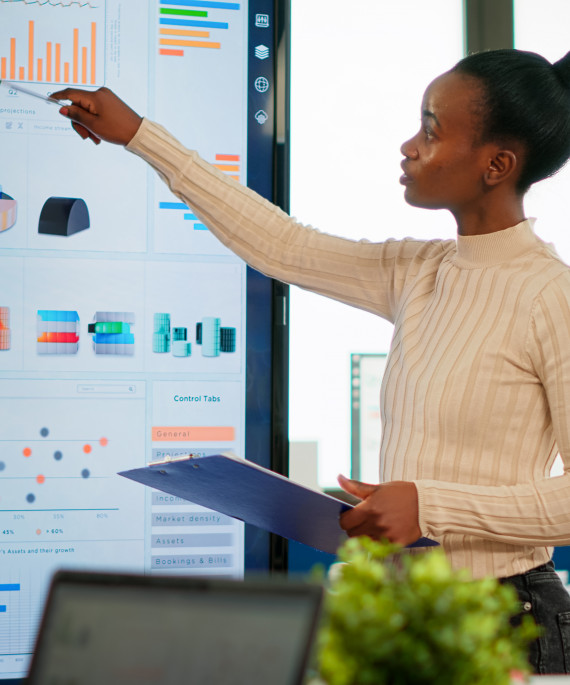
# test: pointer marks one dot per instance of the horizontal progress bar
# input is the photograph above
(184, 13)
(9, 587)
(188, 43)
(172, 53)
(172, 205)
(202, 3)
(184, 32)
(227, 167)
(200, 227)
(190, 217)
(227, 158)
(192, 22)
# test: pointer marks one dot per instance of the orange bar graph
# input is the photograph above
(75, 55)
(189, 43)
(31, 51)
(3, 68)
(185, 32)
(12, 58)
(227, 167)
(84, 65)
(175, 53)
(48, 61)
(93, 52)
(78, 47)
(227, 158)
(66, 72)
(58, 61)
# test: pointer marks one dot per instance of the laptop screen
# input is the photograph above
(146, 630)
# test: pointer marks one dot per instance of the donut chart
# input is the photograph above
(8, 211)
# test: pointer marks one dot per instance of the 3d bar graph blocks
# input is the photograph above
(161, 333)
(111, 333)
(4, 328)
(63, 216)
(212, 337)
(8, 211)
(57, 332)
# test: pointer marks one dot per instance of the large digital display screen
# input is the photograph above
(123, 321)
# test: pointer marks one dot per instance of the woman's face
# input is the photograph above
(444, 163)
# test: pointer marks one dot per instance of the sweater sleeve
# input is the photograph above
(370, 276)
(536, 512)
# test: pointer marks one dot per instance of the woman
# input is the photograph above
(477, 384)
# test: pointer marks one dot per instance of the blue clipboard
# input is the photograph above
(251, 493)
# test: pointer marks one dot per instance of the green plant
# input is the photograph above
(415, 620)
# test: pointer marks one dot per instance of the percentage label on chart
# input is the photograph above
(54, 531)
(7, 532)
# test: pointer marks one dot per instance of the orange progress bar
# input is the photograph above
(188, 43)
(227, 167)
(58, 62)
(75, 55)
(40, 70)
(84, 65)
(22, 74)
(12, 58)
(227, 158)
(192, 433)
(3, 68)
(48, 61)
(176, 53)
(30, 50)
(66, 72)
(93, 53)
(185, 32)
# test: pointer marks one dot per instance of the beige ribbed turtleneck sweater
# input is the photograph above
(476, 392)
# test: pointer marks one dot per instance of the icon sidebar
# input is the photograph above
(261, 67)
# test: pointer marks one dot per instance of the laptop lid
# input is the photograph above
(118, 628)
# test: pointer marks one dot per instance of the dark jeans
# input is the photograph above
(543, 595)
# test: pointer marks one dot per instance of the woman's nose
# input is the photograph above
(408, 149)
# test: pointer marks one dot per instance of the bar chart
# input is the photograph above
(184, 24)
(53, 43)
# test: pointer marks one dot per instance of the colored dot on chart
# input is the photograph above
(103, 442)
(44, 432)
(27, 452)
(40, 479)
(87, 449)
(38, 531)
(30, 498)
(57, 455)
(2, 466)
(85, 473)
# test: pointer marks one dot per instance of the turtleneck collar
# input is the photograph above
(495, 248)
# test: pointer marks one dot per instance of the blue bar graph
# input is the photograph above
(9, 587)
(172, 205)
(202, 3)
(2, 608)
(190, 217)
(191, 22)
(200, 227)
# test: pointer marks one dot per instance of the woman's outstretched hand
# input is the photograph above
(389, 511)
(99, 115)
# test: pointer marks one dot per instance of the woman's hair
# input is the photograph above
(525, 98)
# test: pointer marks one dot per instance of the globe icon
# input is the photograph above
(261, 84)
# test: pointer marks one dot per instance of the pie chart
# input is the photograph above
(8, 211)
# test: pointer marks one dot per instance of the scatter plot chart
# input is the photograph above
(62, 503)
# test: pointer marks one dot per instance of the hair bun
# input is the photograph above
(562, 69)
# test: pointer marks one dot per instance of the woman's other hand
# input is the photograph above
(99, 115)
(389, 511)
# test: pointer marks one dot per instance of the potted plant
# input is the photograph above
(412, 619)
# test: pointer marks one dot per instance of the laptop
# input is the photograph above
(168, 630)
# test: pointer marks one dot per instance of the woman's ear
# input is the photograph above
(503, 165)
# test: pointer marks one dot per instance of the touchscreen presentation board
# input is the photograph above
(123, 321)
